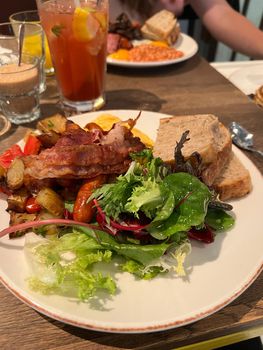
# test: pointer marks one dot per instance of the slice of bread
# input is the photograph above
(207, 136)
(223, 144)
(258, 98)
(162, 26)
(234, 180)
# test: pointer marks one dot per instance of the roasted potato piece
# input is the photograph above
(35, 185)
(49, 139)
(56, 123)
(51, 201)
(15, 174)
(2, 172)
(17, 200)
(68, 188)
(20, 218)
(47, 229)
(72, 126)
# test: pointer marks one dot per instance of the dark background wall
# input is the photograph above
(11, 6)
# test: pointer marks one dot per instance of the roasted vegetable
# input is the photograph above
(55, 123)
(15, 174)
(49, 139)
(51, 201)
(17, 200)
(32, 145)
(71, 126)
(84, 211)
(19, 218)
(32, 206)
(47, 229)
(35, 185)
(2, 172)
(9, 155)
(69, 188)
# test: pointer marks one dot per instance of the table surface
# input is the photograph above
(191, 87)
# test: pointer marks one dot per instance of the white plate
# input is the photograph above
(219, 272)
(185, 43)
(248, 79)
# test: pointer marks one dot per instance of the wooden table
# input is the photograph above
(189, 87)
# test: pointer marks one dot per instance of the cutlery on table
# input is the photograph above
(243, 138)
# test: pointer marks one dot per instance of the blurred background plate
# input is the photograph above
(185, 43)
(250, 78)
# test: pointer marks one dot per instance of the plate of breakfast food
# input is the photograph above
(110, 224)
(157, 42)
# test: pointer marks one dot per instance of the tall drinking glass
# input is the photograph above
(31, 44)
(77, 38)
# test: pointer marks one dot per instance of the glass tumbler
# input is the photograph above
(32, 44)
(77, 38)
(19, 88)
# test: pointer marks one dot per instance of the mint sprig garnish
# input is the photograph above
(57, 29)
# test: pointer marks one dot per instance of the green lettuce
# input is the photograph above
(219, 220)
(64, 265)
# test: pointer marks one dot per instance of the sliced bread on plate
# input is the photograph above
(234, 180)
(210, 138)
(162, 26)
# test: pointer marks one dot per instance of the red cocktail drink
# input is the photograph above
(77, 35)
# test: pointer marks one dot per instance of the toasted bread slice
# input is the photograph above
(223, 144)
(258, 98)
(161, 26)
(207, 136)
(234, 180)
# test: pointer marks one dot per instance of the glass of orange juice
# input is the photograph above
(31, 43)
(77, 36)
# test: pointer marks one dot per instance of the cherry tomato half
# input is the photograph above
(32, 206)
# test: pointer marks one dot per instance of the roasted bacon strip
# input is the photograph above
(69, 159)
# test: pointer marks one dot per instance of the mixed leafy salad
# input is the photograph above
(144, 222)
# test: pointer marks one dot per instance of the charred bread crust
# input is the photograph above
(234, 180)
(212, 171)
(235, 189)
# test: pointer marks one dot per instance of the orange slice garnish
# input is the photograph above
(84, 25)
(102, 19)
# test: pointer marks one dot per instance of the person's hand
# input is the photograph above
(175, 6)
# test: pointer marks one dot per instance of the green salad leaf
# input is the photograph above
(219, 220)
(64, 265)
(170, 203)
(191, 198)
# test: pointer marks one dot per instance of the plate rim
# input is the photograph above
(138, 329)
(128, 64)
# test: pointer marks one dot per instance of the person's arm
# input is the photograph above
(224, 24)
(230, 27)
